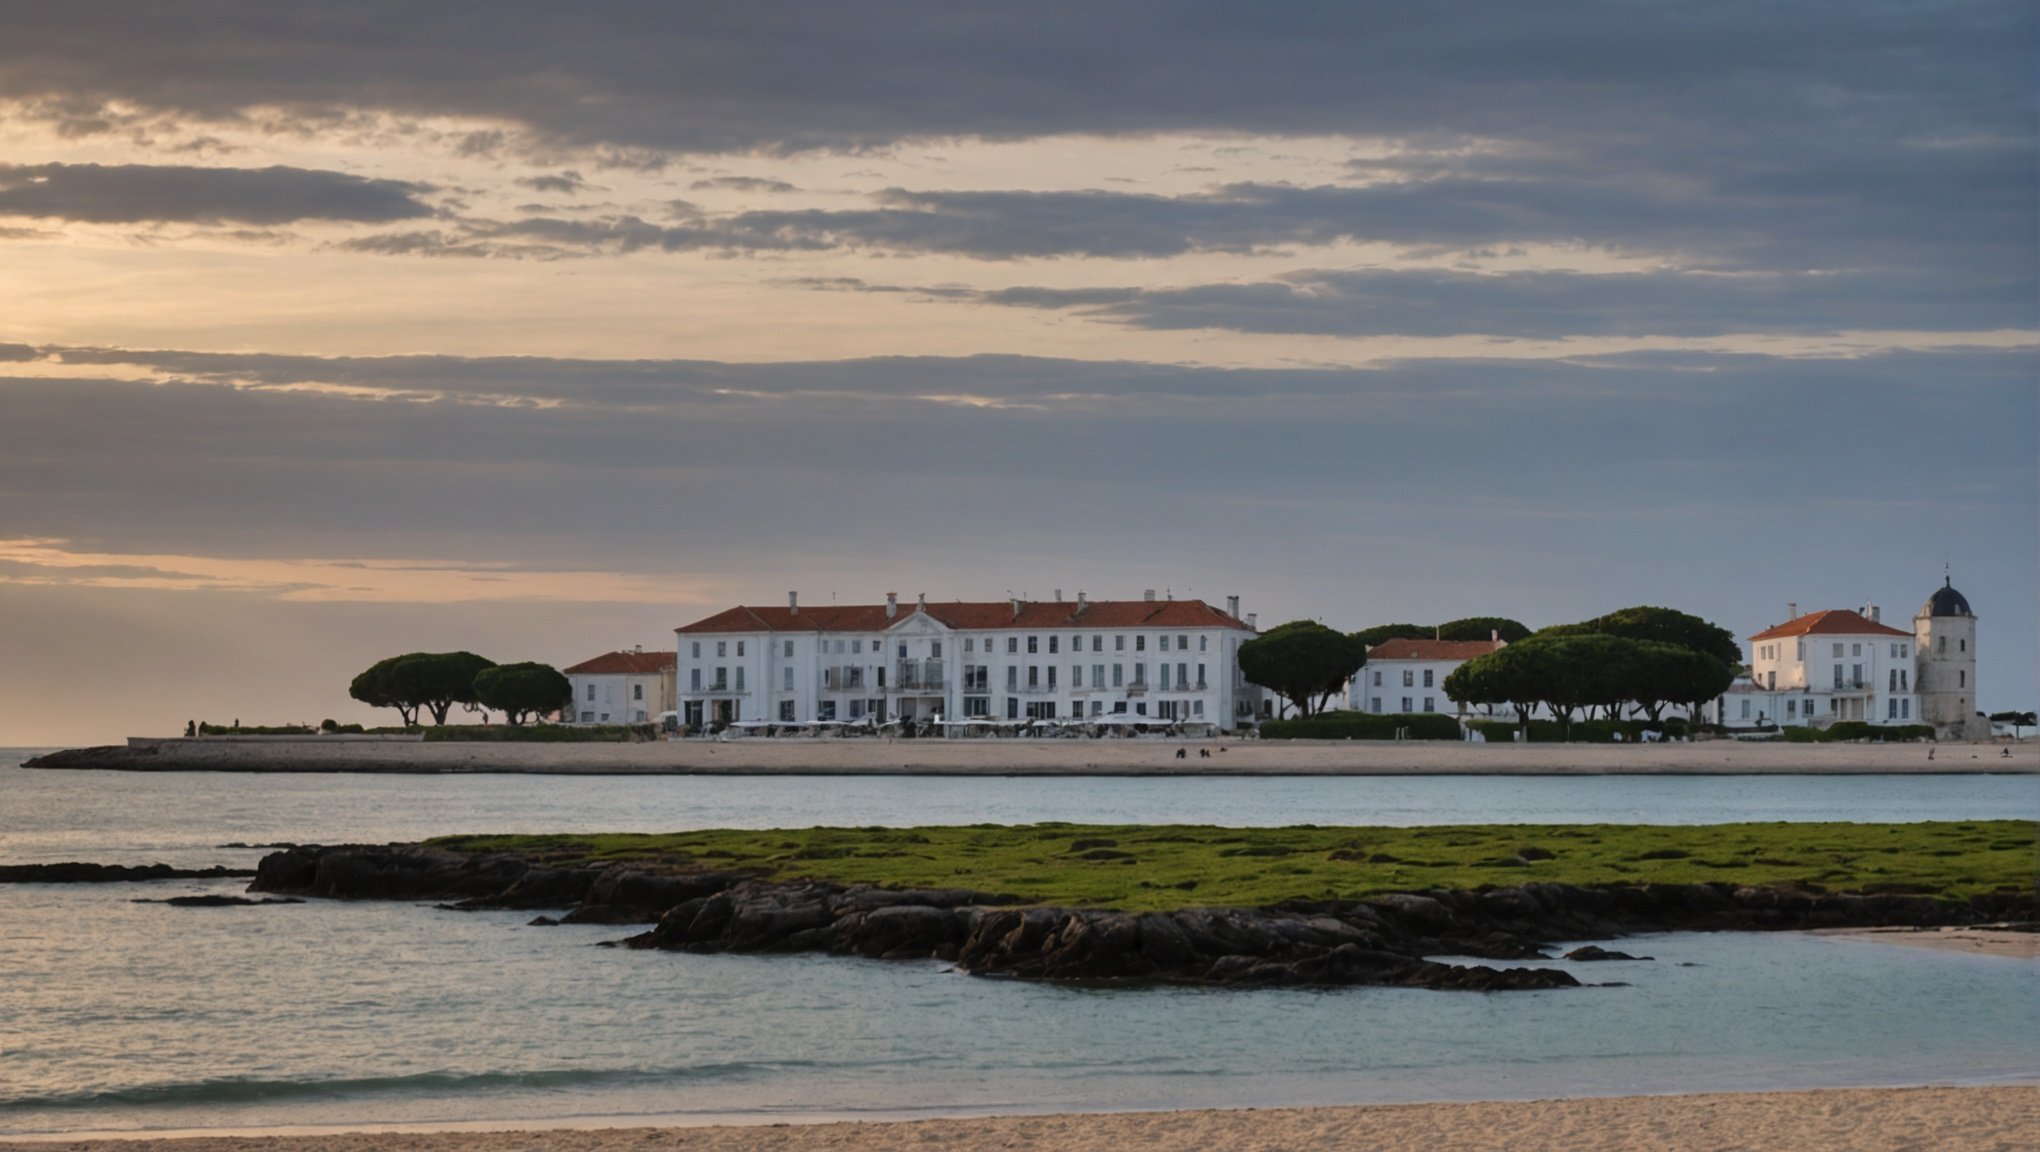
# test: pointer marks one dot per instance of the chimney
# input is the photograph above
(892, 605)
(1148, 595)
(637, 649)
(1232, 607)
(1876, 614)
(922, 606)
(1254, 621)
(1082, 602)
(1494, 635)
(1792, 610)
(1058, 595)
(1016, 607)
(793, 603)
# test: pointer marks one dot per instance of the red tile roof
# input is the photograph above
(979, 616)
(625, 663)
(1433, 649)
(1833, 621)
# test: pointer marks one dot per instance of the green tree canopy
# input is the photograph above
(520, 690)
(1302, 661)
(1660, 626)
(432, 681)
(2017, 720)
(377, 688)
(1380, 633)
(1481, 627)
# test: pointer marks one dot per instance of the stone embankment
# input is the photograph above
(1381, 940)
(871, 756)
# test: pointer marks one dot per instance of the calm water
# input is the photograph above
(119, 1016)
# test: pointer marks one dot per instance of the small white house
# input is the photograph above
(621, 687)
(1404, 676)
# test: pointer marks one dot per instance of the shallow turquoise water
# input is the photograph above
(122, 1016)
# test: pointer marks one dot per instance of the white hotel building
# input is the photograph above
(1825, 667)
(1005, 659)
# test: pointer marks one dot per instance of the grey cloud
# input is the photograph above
(18, 352)
(1818, 136)
(1546, 305)
(716, 77)
(568, 182)
(131, 193)
(744, 184)
(1595, 478)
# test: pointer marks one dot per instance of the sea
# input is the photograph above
(129, 1018)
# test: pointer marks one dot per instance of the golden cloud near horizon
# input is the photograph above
(49, 561)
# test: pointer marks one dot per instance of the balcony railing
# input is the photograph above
(844, 679)
(919, 676)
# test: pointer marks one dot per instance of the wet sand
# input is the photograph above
(1981, 940)
(1859, 1120)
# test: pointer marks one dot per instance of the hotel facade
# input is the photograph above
(1013, 660)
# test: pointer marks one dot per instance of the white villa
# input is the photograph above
(1403, 676)
(1007, 659)
(621, 687)
(1824, 667)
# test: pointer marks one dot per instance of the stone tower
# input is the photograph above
(1945, 664)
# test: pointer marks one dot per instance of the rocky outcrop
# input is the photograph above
(74, 872)
(1382, 940)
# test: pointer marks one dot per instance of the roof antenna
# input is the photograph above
(1947, 576)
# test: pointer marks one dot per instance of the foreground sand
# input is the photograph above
(1941, 1119)
(873, 756)
(1982, 940)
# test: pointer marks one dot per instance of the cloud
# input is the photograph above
(54, 562)
(568, 182)
(721, 78)
(1533, 305)
(130, 193)
(744, 184)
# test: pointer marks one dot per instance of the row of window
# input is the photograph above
(971, 645)
(1409, 680)
(637, 692)
(1430, 704)
(976, 677)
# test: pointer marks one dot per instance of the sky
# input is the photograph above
(330, 332)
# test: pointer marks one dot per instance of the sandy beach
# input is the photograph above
(990, 757)
(1982, 940)
(1860, 1120)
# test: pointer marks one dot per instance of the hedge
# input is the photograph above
(1363, 726)
(206, 729)
(543, 733)
(1583, 731)
(1849, 731)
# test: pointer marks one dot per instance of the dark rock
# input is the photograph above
(74, 872)
(1594, 952)
(542, 922)
(1533, 852)
(387, 872)
(903, 931)
(539, 888)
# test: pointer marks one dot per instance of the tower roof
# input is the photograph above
(1946, 601)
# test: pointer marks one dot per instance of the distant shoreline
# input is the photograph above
(756, 756)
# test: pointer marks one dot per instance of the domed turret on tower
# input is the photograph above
(1945, 672)
(1946, 601)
